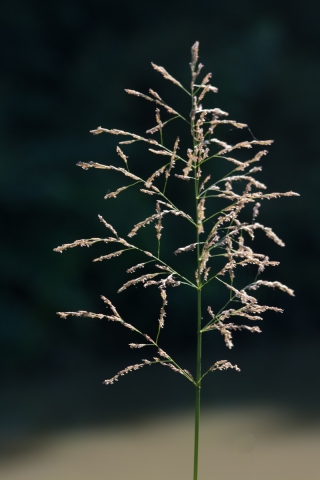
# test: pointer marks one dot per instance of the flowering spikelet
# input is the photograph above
(194, 55)
(126, 370)
(164, 282)
(137, 345)
(255, 212)
(173, 157)
(141, 279)
(160, 152)
(148, 192)
(110, 255)
(83, 243)
(115, 193)
(158, 225)
(157, 173)
(279, 285)
(165, 74)
(164, 303)
(135, 267)
(122, 155)
(109, 303)
(84, 313)
(201, 215)
(186, 249)
(226, 328)
(86, 166)
(223, 365)
(146, 221)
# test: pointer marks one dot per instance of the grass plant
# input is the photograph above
(223, 222)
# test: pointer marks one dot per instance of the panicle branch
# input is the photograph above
(279, 285)
(166, 75)
(86, 166)
(141, 279)
(126, 370)
(82, 243)
(223, 365)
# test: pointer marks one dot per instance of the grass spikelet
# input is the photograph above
(166, 75)
(223, 365)
(141, 279)
(110, 255)
(107, 225)
(85, 166)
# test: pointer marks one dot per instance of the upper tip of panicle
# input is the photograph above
(194, 53)
(195, 46)
(96, 131)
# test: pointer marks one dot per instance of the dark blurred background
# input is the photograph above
(64, 67)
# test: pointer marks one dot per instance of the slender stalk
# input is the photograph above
(198, 390)
(199, 333)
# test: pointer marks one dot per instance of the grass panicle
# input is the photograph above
(223, 235)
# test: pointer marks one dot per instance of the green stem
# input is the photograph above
(199, 332)
(198, 391)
